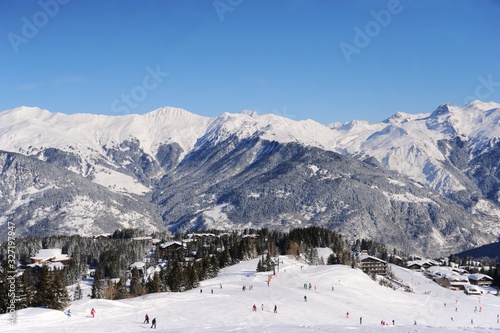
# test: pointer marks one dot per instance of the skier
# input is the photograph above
(254, 308)
(262, 307)
(153, 323)
(146, 319)
(68, 313)
(360, 320)
(92, 312)
(211, 291)
(347, 314)
(305, 298)
(452, 319)
(275, 308)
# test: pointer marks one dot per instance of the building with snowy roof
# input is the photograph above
(370, 264)
(48, 256)
(479, 279)
(419, 265)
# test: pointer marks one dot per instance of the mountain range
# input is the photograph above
(426, 182)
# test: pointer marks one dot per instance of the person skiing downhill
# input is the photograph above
(153, 323)
(92, 312)
(146, 319)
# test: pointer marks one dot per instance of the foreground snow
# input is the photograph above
(229, 309)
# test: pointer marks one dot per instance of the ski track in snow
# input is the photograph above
(230, 309)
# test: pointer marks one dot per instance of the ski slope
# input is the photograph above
(336, 290)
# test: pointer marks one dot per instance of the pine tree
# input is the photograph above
(259, 265)
(214, 267)
(191, 277)
(43, 296)
(154, 284)
(77, 295)
(110, 290)
(332, 260)
(121, 289)
(4, 289)
(29, 291)
(60, 298)
(96, 286)
(136, 287)
(175, 276)
(20, 295)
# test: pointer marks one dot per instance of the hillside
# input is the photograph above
(229, 309)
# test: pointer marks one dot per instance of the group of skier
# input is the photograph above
(146, 321)
(254, 308)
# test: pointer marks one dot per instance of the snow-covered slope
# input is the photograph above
(337, 290)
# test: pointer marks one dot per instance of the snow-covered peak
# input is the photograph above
(250, 113)
(270, 127)
(402, 117)
(25, 127)
(170, 112)
(476, 120)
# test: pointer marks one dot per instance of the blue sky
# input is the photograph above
(324, 60)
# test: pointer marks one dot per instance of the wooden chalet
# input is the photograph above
(370, 264)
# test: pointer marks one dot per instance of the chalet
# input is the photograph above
(140, 266)
(208, 236)
(470, 289)
(419, 265)
(453, 281)
(47, 256)
(371, 264)
(435, 272)
(143, 239)
(102, 236)
(171, 248)
(414, 266)
(480, 279)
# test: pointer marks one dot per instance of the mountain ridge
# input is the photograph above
(166, 156)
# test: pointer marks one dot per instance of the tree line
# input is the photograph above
(199, 258)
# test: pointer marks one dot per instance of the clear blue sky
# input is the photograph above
(300, 59)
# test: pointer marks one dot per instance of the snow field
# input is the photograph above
(230, 309)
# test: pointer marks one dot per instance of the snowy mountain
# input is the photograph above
(337, 290)
(432, 176)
